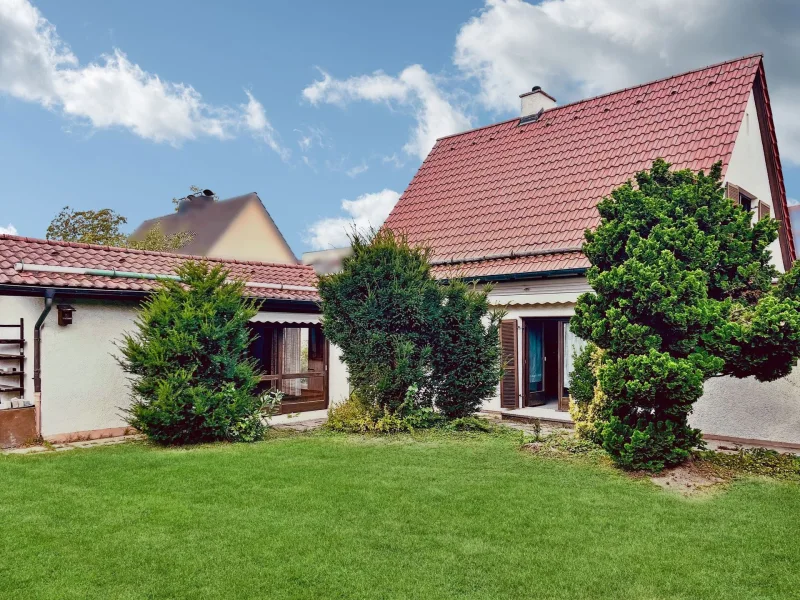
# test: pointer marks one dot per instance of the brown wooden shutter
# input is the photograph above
(732, 192)
(763, 210)
(508, 351)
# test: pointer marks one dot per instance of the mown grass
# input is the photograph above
(336, 516)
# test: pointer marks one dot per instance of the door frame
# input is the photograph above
(563, 402)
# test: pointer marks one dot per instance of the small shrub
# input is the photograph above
(757, 461)
(563, 442)
(587, 405)
(357, 416)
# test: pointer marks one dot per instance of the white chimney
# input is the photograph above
(536, 100)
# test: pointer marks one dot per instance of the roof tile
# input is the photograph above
(16, 249)
(507, 188)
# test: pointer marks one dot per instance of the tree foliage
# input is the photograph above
(155, 239)
(404, 338)
(683, 292)
(103, 227)
(378, 310)
(192, 378)
(88, 226)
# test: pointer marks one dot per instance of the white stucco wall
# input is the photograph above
(83, 387)
(748, 169)
(730, 407)
(746, 408)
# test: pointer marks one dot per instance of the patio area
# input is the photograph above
(546, 413)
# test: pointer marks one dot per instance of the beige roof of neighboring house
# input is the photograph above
(207, 220)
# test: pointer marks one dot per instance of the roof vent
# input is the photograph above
(535, 102)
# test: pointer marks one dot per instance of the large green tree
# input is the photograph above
(88, 226)
(683, 291)
(103, 227)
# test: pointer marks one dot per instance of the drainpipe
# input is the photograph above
(49, 294)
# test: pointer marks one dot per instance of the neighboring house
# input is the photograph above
(794, 218)
(68, 384)
(509, 204)
(238, 228)
(327, 261)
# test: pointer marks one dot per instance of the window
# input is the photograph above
(746, 201)
(294, 361)
(572, 345)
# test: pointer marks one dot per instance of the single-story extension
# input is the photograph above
(509, 203)
(63, 307)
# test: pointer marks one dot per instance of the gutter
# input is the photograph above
(21, 266)
(519, 276)
(472, 259)
(49, 295)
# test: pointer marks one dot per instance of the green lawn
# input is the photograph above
(322, 516)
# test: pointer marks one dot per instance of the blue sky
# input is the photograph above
(319, 125)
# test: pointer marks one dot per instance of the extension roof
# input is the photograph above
(484, 197)
(16, 249)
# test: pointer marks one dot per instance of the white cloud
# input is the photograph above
(393, 160)
(10, 230)
(793, 201)
(354, 172)
(311, 137)
(414, 89)
(580, 48)
(37, 66)
(256, 121)
(368, 210)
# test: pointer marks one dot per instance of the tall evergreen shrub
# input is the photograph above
(378, 310)
(465, 360)
(683, 292)
(405, 338)
(192, 378)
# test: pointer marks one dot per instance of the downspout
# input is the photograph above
(49, 294)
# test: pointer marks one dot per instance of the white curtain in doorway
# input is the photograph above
(291, 360)
(572, 345)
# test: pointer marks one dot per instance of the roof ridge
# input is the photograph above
(241, 197)
(20, 238)
(619, 91)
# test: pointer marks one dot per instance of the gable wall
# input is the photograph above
(253, 236)
(748, 169)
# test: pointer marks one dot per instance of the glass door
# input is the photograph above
(535, 388)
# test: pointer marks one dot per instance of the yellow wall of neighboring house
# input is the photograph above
(253, 236)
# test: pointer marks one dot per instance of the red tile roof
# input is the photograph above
(15, 249)
(510, 189)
